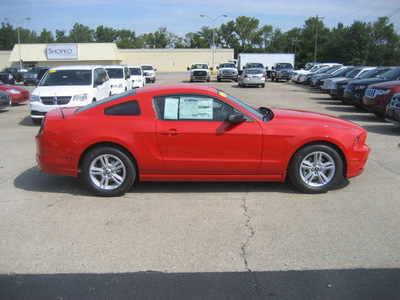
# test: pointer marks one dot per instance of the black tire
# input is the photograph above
(315, 169)
(100, 175)
(263, 85)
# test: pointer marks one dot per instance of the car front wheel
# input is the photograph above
(315, 169)
(108, 171)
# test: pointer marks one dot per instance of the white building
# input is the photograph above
(164, 60)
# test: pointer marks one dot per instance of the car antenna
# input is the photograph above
(62, 112)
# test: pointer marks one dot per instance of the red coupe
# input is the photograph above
(188, 132)
(16, 93)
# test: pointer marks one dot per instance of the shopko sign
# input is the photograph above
(60, 52)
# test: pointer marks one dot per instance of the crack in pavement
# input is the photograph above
(256, 283)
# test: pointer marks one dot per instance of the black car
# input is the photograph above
(5, 99)
(355, 90)
(12, 75)
(393, 110)
(318, 82)
(30, 77)
(337, 90)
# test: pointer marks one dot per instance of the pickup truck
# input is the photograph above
(281, 71)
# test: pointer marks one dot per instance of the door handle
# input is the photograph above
(170, 132)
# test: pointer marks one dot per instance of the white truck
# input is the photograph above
(267, 59)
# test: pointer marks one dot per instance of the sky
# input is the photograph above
(183, 16)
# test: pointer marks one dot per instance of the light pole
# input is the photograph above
(19, 41)
(213, 28)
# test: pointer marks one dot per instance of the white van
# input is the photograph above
(137, 77)
(69, 86)
(120, 78)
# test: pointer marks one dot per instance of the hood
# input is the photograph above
(368, 81)
(386, 85)
(289, 116)
(47, 91)
(5, 87)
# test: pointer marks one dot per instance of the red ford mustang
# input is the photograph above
(188, 132)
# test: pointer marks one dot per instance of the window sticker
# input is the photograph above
(171, 109)
(222, 94)
(201, 109)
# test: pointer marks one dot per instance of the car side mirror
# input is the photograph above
(155, 70)
(188, 68)
(236, 118)
(211, 68)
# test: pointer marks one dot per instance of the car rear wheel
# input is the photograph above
(108, 171)
(315, 169)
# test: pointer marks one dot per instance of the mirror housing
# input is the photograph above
(236, 118)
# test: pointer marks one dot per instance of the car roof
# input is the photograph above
(115, 66)
(177, 88)
(76, 67)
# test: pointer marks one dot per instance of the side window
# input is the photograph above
(97, 75)
(192, 108)
(130, 108)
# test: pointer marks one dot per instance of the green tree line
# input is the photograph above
(361, 43)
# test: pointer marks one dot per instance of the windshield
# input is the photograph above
(227, 65)
(199, 66)
(115, 72)
(147, 67)
(284, 66)
(352, 73)
(254, 65)
(10, 70)
(135, 71)
(392, 74)
(67, 77)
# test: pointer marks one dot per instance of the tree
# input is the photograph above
(61, 37)
(81, 34)
(105, 34)
(7, 40)
(45, 37)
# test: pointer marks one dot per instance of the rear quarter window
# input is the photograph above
(130, 108)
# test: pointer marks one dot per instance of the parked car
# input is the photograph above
(149, 73)
(17, 94)
(338, 88)
(120, 78)
(30, 77)
(227, 71)
(199, 133)
(281, 71)
(200, 71)
(313, 77)
(295, 74)
(354, 91)
(393, 110)
(5, 100)
(252, 76)
(377, 96)
(12, 75)
(137, 77)
(330, 84)
(69, 86)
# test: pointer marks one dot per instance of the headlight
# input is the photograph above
(35, 98)
(383, 92)
(12, 91)
(79, 97)
(360, 87)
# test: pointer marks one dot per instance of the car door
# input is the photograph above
(195, 138)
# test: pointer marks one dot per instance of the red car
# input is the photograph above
(377, 96)
(17, 94)
(189, 132)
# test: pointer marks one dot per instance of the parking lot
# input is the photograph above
(210, 240)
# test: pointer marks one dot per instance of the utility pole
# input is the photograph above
(316, 36)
